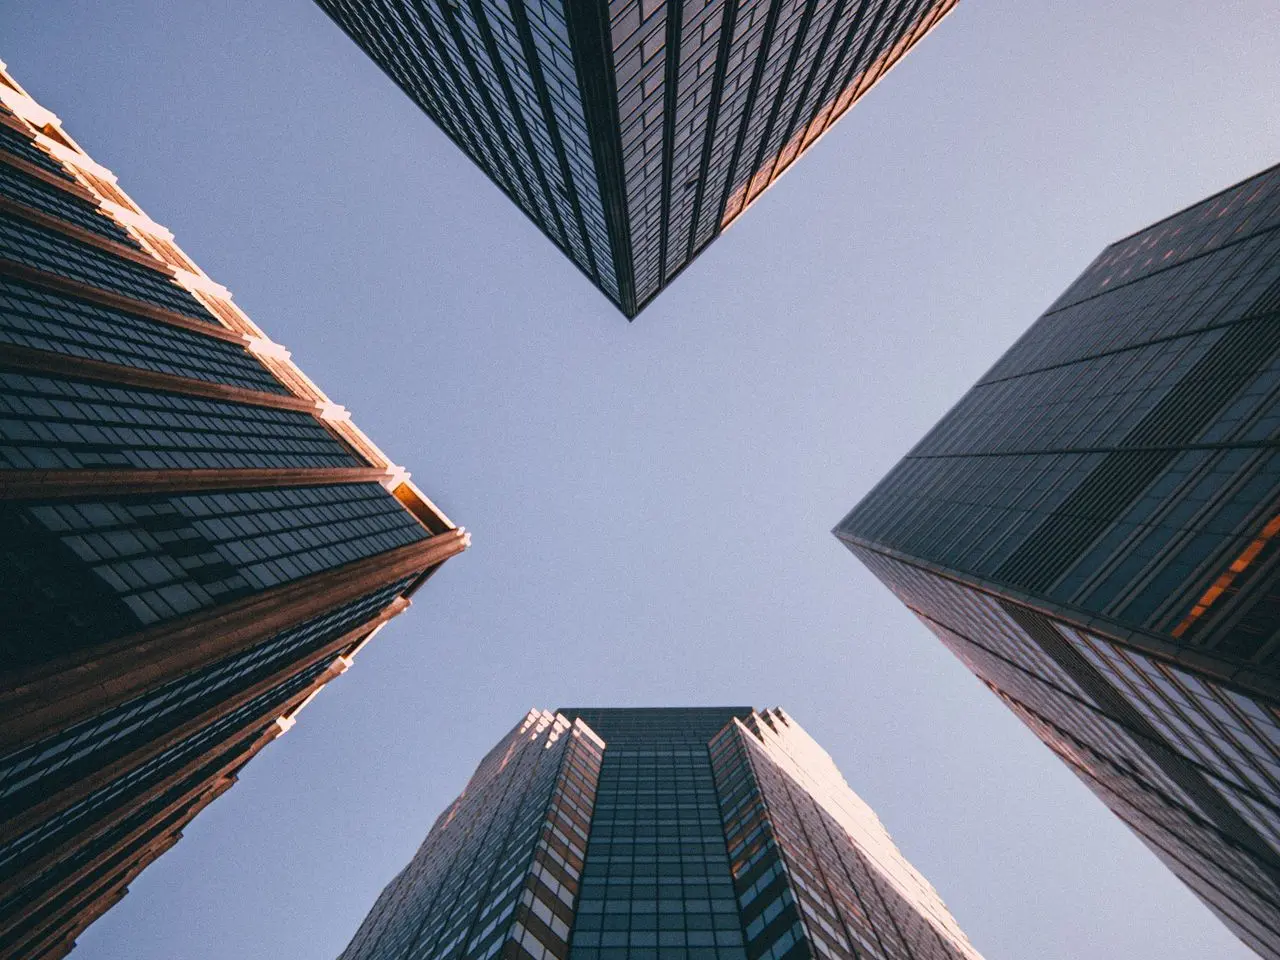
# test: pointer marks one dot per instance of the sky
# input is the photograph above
(651, 503)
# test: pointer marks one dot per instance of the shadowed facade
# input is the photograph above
(1093, 529)
(193, 538)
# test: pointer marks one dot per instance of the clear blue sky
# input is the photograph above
(651, 502)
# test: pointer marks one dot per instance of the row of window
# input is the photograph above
(1086, 404)
(53, 253)
(38, 769)
(548, 47)
(483, 870)
(854, 894)
(47, 422)
(1216, 288)
(422, 51)
(639, 64)
(636, 937)
(1234, 739)
(57, 323)
(639, 900)
(23, 147)
(550, 34)
(979, 630)
(1129, 533)
(966, 513)
(1240, 211)
(656, 953)
(78, 817)
(764, 896)
(22, 188)
(1113, 759)
(1212, 867)
(798, 105)
(132, 841)
(165, 556)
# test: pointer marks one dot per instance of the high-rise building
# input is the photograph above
(632, 132)
(193, 538)
(1093, 529)
(658, 834)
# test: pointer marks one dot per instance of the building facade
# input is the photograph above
(670, 834)
(632, 132)
(1093, 529)
(193, 538)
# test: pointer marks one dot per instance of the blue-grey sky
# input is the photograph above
(650, 502)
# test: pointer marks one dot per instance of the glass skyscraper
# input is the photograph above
(1093, 529)
(193, 538)
(658, 834)
(633, 132)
